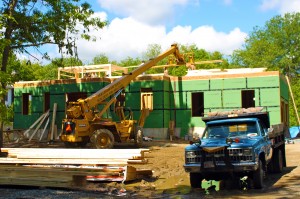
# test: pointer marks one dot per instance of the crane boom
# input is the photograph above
(82, 108)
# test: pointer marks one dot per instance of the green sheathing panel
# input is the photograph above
(213, 99)
(37, 106)
(91, 87)
(235, 83)
(261, 82)
(284, 89)
(160, 116)
(183, 121)
(257, 97)
(158, 100)
(274, 114)
(216, 84)
(133, 100)
(270, 97)
(155, 119)
(155, 85)
(190, 85)
(196, 122)
(180, 100)
(232, 98)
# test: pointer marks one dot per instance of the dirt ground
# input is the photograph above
(169, 179)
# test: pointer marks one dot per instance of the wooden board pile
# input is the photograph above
(69, 168)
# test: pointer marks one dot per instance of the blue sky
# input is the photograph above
(214, 25)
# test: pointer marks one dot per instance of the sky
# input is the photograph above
(214, 25)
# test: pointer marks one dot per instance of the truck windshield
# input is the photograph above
(230, 130)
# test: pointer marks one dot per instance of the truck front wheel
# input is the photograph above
(258, 176)
(102, 139)
(196, 180)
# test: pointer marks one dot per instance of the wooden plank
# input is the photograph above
(39, 125)
(73, 155)
(30, 128)
(42, 134)
(130, 173)
(40, 182)
(70, 161)
(64, 150)
(53, 121)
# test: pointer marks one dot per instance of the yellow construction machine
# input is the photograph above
(85, 122)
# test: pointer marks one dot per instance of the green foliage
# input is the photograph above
(65, 62)
(130, 62)
(274, 46)
(295, 84)
(6, 113)
(153, 50)
(178, 71)
(36, 23)
(101, 59)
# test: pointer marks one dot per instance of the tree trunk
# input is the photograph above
(1, 133)
(5, 54)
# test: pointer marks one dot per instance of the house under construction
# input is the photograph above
(177, 103)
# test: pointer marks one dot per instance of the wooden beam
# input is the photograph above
(53, 121)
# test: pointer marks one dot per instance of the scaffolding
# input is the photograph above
(100, 70)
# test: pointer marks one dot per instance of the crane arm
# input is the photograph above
(100, 96)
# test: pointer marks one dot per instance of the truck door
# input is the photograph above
(268, 145)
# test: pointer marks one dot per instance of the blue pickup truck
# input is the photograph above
(236, 144)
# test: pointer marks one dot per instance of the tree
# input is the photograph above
(153, 50)
(32, 23)
(275, 46)
(101, 59)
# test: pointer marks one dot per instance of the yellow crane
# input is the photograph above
(85, 123)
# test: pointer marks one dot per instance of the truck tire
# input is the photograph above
(102, 139)
(138, 137)
(277, 161)
(196, 180)
(258, 176)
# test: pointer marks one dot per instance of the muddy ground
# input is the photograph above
(169, 179)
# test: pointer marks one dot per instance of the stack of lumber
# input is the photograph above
(69, 168)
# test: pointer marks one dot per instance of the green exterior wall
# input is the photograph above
(172, 99)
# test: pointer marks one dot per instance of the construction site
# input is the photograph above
(90, 128)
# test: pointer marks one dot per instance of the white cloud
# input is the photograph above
(147, 11)
(283, 6)
(130, 38)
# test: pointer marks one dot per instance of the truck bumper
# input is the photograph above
(240, 167)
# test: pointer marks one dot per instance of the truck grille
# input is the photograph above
(235, 155)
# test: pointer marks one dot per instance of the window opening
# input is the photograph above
(248, 98)
(197, 104)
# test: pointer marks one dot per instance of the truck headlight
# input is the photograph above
(190, 154)
(247, 151)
